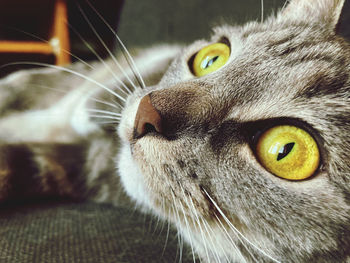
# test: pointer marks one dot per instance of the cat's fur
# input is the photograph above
(201, 172)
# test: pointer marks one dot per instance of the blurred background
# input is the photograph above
(60, 31)
(149, 21)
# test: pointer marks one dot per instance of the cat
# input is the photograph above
(240, 141)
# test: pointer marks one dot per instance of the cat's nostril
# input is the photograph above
(147, 118)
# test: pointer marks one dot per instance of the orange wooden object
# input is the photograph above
(60, 33)
(57, 43)
(7, 46)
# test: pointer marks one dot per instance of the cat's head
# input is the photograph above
(244, 143)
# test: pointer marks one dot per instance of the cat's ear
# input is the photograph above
(326, 12)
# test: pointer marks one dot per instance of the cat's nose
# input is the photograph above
(147, 118)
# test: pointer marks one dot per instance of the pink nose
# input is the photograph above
(147, 118)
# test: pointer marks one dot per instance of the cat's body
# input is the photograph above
(54, 108)
(188, 147)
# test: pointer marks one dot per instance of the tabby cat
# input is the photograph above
(241, 141)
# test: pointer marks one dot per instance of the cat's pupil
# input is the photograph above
(285, 150)
(208, 61)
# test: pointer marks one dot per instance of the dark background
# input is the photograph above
(145, 22)
(141, 23)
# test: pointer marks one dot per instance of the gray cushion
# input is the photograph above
(83, 232)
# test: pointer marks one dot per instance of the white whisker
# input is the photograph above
(48, 42)
(163, 222)
(222, 227)
(180, 238)
(105, 117)
(176, 214)
(108, 122)
(284, 5)
(128, 57)
(107, 49)
(197, 221)
(188, 231)
(49, 88)
(116, 78)
(106, 112)
(69, 71)
(116, 106)
(156, 226)
(201, 231)
(166, 237)
(235, 229)
(207, 228)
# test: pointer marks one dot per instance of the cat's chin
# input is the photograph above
(135, 186)
(131, 177)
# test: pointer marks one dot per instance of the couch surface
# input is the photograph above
(64, 231)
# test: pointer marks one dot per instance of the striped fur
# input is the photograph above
(200, 171)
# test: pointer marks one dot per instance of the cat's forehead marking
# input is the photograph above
(276, 71)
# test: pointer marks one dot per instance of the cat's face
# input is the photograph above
(193, 153)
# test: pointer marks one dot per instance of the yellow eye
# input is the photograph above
(210, 58)
(288, 152)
